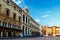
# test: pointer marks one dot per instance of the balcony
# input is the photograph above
(7, 25)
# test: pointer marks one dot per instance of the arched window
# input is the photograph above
(0, 23)
(26, 19)
(23, 17)
(7, 12)
(14, 16)
(4, 24)
(14, 7)
(8, 1)
(0, 7)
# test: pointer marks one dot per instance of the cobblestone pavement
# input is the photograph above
(35, 38)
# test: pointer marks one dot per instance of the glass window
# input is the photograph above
(0, 23)
(14, 16)
(7, 12)
(23, 17)
(4, 24)
(26, 19)
(0, 7)
(7, 1)
(14, 7)
(9, 25)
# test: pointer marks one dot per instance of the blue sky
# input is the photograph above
(45, 12)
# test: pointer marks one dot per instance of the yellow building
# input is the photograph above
(51, 31)
(14, 21)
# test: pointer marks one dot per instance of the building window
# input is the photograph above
(0, 23)
(14, 27)
(4, 24)
(23, 30)
(26, 19)
(7, 1)
(14, 16)
(9, 25)
(14, 7)
(0, 7)
(7, 12)
(19, 18)
(23, 17)
(19, 27)
(20, 11)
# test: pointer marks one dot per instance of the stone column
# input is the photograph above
(27, 32)
(18, 34)
(22, 17)
(46, 34)
(22, 34)
(54, 31)
(1, 34)
(7, 34)
(12, 34)
(1, 23)
(7, 25)
(24, 31)
(47, 31)
(25, 19)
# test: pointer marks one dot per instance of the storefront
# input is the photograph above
(8, 32)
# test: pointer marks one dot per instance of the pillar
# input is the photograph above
(19, 34)
(7, 34)
(54, 29)
(25, 19)
(24, 31)
(22, 34)
(1, 34)
(12, 34)
(1, 23)
(22, 17)
(27, 32)
(7, 25)
(46, 32)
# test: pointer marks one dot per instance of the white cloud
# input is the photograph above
(45, 16)
(38, 20)
(18, 1)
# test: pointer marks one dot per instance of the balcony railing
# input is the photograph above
(3, 24)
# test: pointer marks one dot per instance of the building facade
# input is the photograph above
(16, 22)
(51, 31)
